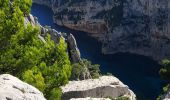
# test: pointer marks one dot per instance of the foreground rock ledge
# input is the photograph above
(11, 88)
(97, 88)
(88, 98)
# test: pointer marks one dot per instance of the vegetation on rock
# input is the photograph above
(83, 67)
(165, 74)
(43, 65)
(165, 70)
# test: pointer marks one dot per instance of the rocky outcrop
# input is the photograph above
(31, 20)
(135, 26)
(166, 96)
(74, 51)
(11, 88)
(55, 36)
(105, 86)
(88, 98)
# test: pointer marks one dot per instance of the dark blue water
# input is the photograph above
(138, 72)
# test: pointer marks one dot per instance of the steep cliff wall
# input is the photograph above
(144, 29)
(135, 26)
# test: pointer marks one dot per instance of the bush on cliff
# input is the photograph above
(165, 70)
(93, 68)
(165, 74)
(85, 66)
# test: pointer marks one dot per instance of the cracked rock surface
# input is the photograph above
(105, 86)
(11, 88)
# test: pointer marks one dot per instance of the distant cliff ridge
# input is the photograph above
(135, 26)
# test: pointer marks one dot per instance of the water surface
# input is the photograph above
(138, 72)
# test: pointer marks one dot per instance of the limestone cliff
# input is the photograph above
(135, 26)
(105, 86)
(11, 88)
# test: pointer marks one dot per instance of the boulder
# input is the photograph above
(11, 88)
(105, 86)
(31, 20)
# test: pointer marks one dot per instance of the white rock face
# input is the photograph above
(88, 98)
(167, 96)
(97, 88)
(11, 88)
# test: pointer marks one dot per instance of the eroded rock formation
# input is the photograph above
(55, 36)
(74, 51)
(105, 86)
(11, 88)
(135, 26)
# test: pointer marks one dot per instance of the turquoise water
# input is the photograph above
(138, 72)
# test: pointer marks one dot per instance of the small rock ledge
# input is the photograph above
(105, 86)
(88, 98)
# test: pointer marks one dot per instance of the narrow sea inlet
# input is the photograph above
(138, 72)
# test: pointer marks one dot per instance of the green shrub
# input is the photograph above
(165, 74)
(94, 69)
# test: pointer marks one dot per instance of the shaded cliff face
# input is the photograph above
(144, 29)
(135, 26)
